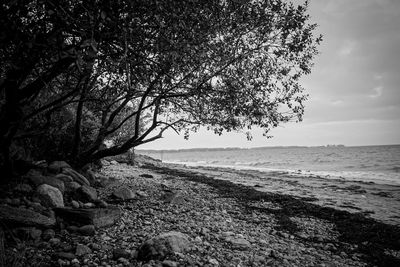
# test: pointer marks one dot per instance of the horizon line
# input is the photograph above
(260, 147)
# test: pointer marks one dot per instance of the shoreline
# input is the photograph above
(379, 201)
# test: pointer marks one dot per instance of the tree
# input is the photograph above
(141, 67)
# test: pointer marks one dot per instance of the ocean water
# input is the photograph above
(378, 164)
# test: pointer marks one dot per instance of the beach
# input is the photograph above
(228, 221)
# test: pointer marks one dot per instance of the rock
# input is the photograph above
(71, 186)
(54, 241)
(159, 247)
(86, 193)
(49, 180)
(48, 234)
(113, 162)
(64, 255)
(141, 194)
(175, 198)
(99, 217)
(57, 166)
(213, 262)
(23, 188)
(239, 243)
(168, 263)
(121, 253)
(79, 178)
(75, 204)
(50, 196)
(87, 230)
(15, 202)
(89, 205)
(102, 204)
(63, 177)
(21, 216)
(124, 193)
(91, 176)
(25, 233)
(82, 250)
(145, 175)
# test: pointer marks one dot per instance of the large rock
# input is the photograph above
(50, 196)
(38, 180)
(72, 186)
(97, 217)
(86, 194)
(157, 248)
(24, 217)
(79, 178)
(58, 166)
(124, 193)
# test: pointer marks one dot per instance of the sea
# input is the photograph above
(377, 164)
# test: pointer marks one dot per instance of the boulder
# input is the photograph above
(25, 217)
(50, 196)
(157, 248)
(58, 166)
(124, 193)
(86, 194)
(99, 217)
(79, 178)
(91, 176)
(38, 180)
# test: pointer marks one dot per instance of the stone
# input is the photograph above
(120, 253)
(157, 248)
(48, 234)
(86, 193)
(239, 243)
(91, 176)
(99, 217)
(54, 241)
(175, 198)
(75, 204)
(142, 194)
(20, 216)
(145, 175)
(102, 204)
(23, 188)
(169, 263)
(79, 178)
(213, 262)
(89, 205)
(71, 186)
(64, 255)
(124, 193)
(57, 166)
(25, 233)
(113, 162)
(87, 230)
(49, 180)
(63, 177)
(50, 196)
(82, 250)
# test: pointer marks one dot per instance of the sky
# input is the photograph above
(354, 89)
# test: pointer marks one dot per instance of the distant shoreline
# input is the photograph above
(251, 148)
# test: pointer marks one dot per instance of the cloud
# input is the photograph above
(377, 92)
(347, 48)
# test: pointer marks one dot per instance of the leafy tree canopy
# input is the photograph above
(128, 70)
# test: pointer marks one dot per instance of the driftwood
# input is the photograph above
(99, 217)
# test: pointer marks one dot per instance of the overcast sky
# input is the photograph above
(354, 88)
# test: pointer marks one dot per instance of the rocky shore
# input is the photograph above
(158, 215)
